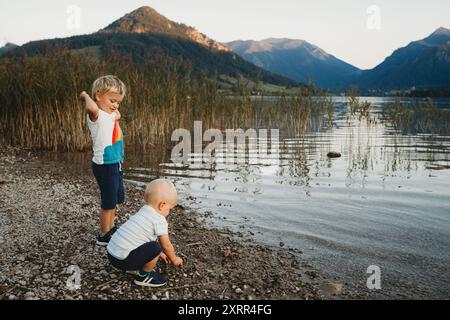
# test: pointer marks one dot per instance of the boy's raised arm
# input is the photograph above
(118, 116)
(169, 250)
(91, 107)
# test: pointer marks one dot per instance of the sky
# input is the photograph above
(360, 32)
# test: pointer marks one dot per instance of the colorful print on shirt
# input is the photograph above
(107, 139)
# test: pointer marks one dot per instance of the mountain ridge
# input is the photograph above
(144, 33)
(8, 47)
(147, 20)
(296, 59)
(422, 63)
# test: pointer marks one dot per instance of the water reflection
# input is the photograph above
(368, 145)
(385, 202)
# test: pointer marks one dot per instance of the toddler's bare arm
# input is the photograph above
(169, 250)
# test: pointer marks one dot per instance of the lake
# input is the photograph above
(384, 203)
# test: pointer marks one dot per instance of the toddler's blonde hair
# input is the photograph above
(107, 84)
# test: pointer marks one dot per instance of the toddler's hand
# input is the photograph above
(164, 257)
(177, 261)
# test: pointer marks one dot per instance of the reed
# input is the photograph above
(358, 108)
(40, 107)
(419, 116)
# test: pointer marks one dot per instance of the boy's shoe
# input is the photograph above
(113, 229)
(151, 279)
(104, 240)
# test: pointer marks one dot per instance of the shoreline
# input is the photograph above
(49, 219)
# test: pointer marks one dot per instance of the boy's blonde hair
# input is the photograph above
(107, 84)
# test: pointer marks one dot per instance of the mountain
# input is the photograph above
(421, 64)
(8, 47)
(148, 20)
(145, 34)
(297, 60)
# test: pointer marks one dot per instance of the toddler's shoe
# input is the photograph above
(150, 279)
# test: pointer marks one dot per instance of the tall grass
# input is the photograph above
(417, 117)
(40, 107)
(358, 108)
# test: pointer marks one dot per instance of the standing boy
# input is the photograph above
(107, 140)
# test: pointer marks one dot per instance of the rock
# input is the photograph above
(333, 154)
(12, 297)
(295, 263)
(312, 274)
(281, 244)
(226, 253)
(331, 288)
(238, 290)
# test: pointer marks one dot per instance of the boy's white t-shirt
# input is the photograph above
(144, 226)
(107, 138)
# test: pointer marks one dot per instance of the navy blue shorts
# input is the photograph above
(110, 180)
(138, 257)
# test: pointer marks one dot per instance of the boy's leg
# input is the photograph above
(119, 192)
(108, 182)
(120, 195)
(113, 218)
(107, 217)
(112, 193)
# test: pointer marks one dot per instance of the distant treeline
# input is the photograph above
(430, 92)
(434, 92)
